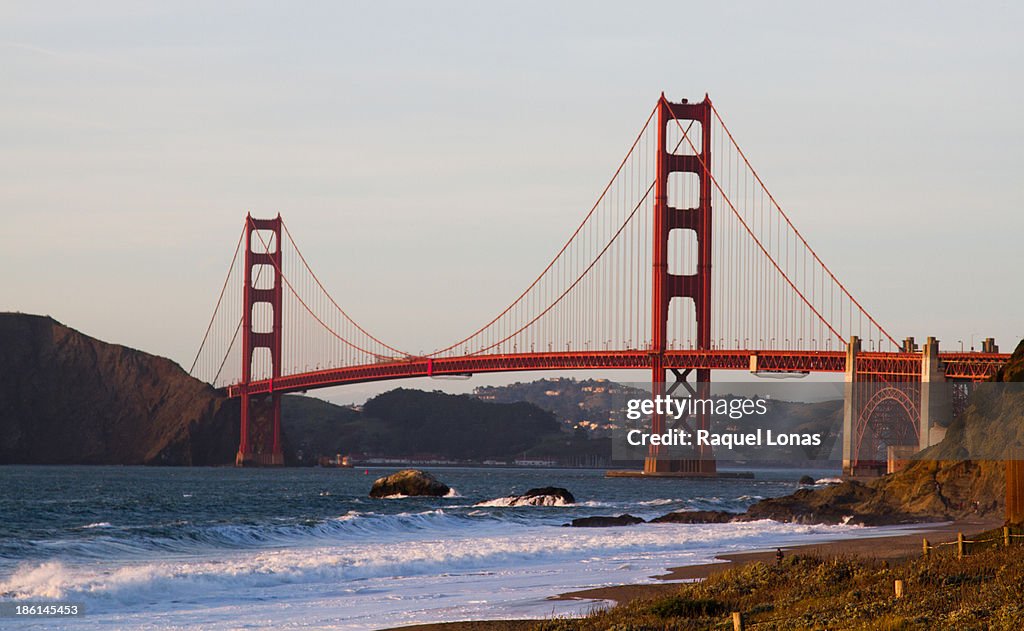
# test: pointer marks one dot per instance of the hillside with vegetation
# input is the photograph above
(596, 403)
(67, 398)
(413, 424)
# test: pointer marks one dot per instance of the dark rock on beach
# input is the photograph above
(409, 482)
(696, 517)
(603, 521)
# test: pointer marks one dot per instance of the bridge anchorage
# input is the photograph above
(896, 404)
(684, 265)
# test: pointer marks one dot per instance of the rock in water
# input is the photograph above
(409, 482)
(806, 481)
(696, 517)
(602, 521)
(544, 496)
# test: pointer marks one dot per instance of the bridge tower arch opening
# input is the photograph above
(889, 425)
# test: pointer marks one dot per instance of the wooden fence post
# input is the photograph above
(959, 545)
(737, 621)
(924, 548)
(898, 586)
(1006, 536)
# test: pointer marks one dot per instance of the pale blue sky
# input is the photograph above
(434, 155)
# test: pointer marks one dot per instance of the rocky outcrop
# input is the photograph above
(603, 521)
(927, 490)
(1013, 370)
(409, 482)
(546, 496)
(678, 517)
(696, 517)
(836, 504)
(67, 398)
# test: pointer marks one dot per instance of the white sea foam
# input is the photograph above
(519, 500)
(496, 560)
(660, 502)
(188, 539)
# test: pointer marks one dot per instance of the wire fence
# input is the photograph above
(961, 544)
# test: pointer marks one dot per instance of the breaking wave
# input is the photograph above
(411, 552)
(518, 500)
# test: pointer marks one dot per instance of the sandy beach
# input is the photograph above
(887, 548)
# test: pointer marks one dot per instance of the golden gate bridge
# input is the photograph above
(684, 264)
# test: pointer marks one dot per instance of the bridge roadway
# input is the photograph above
(896, 366)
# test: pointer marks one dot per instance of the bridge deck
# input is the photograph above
(972, 366)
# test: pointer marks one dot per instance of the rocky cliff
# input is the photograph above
(66, 397)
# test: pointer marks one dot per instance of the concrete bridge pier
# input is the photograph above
(850, 412)
(935, 405)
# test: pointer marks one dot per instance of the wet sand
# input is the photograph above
(473, 625)
(890, 548)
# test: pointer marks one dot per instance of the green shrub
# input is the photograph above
(680, 607)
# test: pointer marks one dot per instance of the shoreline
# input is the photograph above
(888, 548)
(882, 548)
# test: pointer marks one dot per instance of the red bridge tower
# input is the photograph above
(260, 441)
(666, 286)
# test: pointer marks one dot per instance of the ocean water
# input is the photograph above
(225, 548)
